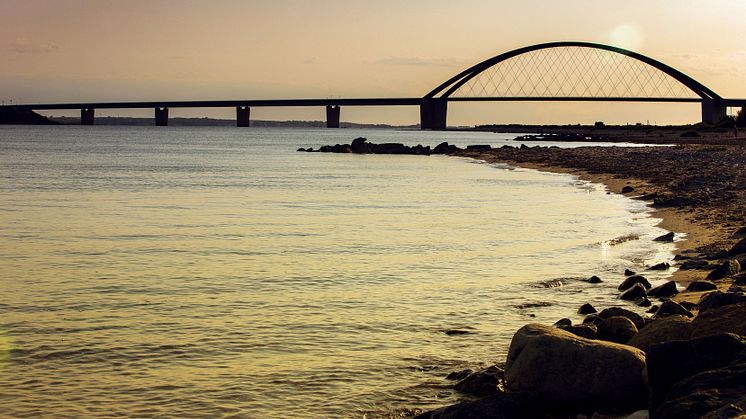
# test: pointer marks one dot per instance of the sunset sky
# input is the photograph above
(106, 50)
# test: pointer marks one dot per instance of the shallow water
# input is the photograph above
(208, 272)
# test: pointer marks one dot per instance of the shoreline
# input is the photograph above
(670, 219)
(685, 195)
(686, 355)
(711, 229)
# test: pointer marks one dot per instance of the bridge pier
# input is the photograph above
(713, 111)
(161, 117)
(433, 114)
(332, 116)
(87, 116)
(243, 118)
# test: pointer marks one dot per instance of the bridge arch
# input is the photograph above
(433, 108)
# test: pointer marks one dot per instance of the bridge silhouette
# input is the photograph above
(555, 71)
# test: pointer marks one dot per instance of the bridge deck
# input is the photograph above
(346, 102)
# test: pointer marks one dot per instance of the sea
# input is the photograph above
(217, 272)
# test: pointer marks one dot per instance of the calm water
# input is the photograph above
(212, 272)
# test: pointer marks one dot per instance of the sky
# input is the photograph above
(111, 50)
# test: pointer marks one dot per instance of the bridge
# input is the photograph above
(554, 71)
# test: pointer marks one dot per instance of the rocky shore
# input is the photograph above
(687, 356)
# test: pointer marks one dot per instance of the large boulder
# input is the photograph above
(671, 362)
(663, 266)
(670, 308)
(704, 285)
(617, 329)
(726, 319)
(587, 308)
(719, 299)
(588, 331)
(666, 238)
(728, 268)
(719, 393)
(482, 383)
(635, 292)
(631, 281)
(566, 370)
(662, 330)
(739, 248)
(618, 311)
(695, 264)
(664, 291)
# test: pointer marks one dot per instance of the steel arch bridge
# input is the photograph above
(570, 71)
(554, 71)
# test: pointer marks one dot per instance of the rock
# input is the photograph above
(739, 248)
(479, 147)
(728, 268)
(653, 309)
(594, 280)
(719, 299)
(741, 232)
(618, 311)
(719, 393)
(666, 238)
(445, 148)
(671, 201)
(643, 302)
(669, 308)
(391, 148)
(663, 266)
(456, 332)
(631, 281)
(359, 145)
(740, 279)
(301, 149)
(587, 309)
(628, 189)
(637, 291)
(588, 331)
(695, 264)
(563, 323)
(617, 329)
(720, 254)
(498, 406)
(662, 330)
(483, 383)
(727, 319)
(341, 148)
(459, 375)
(671, 362)
(629, 272)
(563, 369)
(701, 286)
(664, 291)
(593, 319)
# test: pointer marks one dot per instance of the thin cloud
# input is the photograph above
(423, 61)
(710, 64)
(24, 46)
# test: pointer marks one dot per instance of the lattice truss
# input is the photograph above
(573, 72)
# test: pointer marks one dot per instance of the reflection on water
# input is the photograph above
(216, 272)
